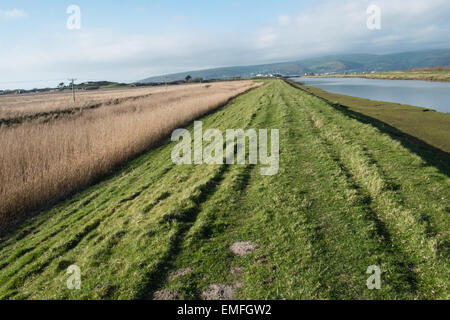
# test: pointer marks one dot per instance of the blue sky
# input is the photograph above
(148, 15)
(131, 40)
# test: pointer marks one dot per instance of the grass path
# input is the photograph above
(346, 197)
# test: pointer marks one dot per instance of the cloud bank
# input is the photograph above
(12, 14)
(328, 27)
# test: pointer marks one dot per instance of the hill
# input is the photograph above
(328, 64)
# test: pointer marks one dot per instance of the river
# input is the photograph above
(432, 95)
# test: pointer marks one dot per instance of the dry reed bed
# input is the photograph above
(13, 106)
(41, 162)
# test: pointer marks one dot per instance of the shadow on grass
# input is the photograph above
(431, 155)
(157, 278)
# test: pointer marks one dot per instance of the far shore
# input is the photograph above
(439, 76)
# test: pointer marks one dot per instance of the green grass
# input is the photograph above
(347, 196)
(428, 126)
(442, 76)
(116, 85)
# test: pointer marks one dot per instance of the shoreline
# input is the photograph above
(428, 126)
(389, 76)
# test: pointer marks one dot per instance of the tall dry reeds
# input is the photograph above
(41, 162)
(13, 106)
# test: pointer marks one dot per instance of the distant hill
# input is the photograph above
(328, 64)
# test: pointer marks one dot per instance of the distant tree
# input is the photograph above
(61, 86)
(188, 78)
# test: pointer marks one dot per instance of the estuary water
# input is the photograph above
(432, 95)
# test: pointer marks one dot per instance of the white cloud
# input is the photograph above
(284, 20)
(328, 27)
(12, 14)
(340, 26)
(266, 38)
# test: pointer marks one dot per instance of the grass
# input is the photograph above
(441, 74)
(42, 161)
(347, 196)
(430, 127)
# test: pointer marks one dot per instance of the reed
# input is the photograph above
(42, 162)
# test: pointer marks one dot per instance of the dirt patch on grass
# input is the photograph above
(166, 294)
(236, 270)
(242, 248)
(217, 291)
(180, 273)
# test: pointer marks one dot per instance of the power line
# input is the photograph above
(61, 79)
(29, 81)
(73, 89)
(47, 83)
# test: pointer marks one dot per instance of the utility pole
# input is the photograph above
(73, 89)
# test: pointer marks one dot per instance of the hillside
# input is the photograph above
(329, 64)
(347, 196)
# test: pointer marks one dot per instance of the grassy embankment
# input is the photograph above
(423, 127)
(347, 196)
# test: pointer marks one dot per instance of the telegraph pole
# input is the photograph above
(73, 89)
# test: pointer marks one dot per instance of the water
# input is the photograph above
(432, 95)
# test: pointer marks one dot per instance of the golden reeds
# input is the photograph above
(41, 162)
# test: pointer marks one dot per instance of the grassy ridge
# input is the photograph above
(429, 126)
(347, 196)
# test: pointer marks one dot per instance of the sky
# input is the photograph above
(135, 39)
